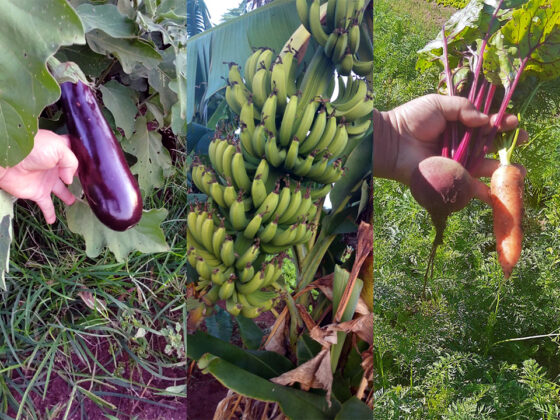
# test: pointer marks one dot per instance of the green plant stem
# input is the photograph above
(313, 260)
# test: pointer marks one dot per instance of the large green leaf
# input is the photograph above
(532, 35)
(121, 101)
(208, 52)
(6, 215)
(30, 32)
(107, 18)
(354, 409)
(130, 52)
(463, 29)
(294, 403)
(154, 161)
(147, 236)
(262, 363)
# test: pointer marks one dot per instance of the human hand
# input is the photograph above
(408, 134)
(45, 170)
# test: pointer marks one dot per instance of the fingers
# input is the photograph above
(486, 168)
(60, 190)
(457, 108)
(67, 165)
(482, 191)
(47, 207)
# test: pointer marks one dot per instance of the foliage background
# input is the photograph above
(479, 346)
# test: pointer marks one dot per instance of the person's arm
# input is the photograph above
(46, 169)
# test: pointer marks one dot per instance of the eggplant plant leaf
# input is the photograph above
(6, 216)
(107, 18)
(121, 101)
(147, 236)
(131, 52)
(154, 161)
(30, 32)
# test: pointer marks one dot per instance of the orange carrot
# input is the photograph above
(506, 190)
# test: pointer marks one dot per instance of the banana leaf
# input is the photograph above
(209, 52)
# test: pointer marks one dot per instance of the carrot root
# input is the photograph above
(506, 190)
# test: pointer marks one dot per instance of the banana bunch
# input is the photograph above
(278, 217)
(353, 103)
(231, 267)
(340, 35)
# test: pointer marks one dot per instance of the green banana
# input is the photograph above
(237, 216)
(259, 140)
(218, 239)
(273, 154)
(227, 288)
(249, 256)
(288, 119)
(261, 87)
(251, 67)
(328, 134)
(278, 80)
(270, 203)
(320, 193)
(217, 193)
(358, 127)
(258, 191)
(208, 233)
(247, 273)
(306, 120)
(227, 254)
(340, 48)
(354, 38)
(339, 142)
(239, 172)
(232, 305)
(330, 18)
(331, 42)
(295, 201)
(318, 168)
(292, 154)
(263, 169)
(345, 65)
(362, 68)
(315, 26)
(230, 194)
(268, 113)
(262, 299)
(202, 268)
(284, 200)
(308, 143)
(269, 231)
(303, 166)
(285, 237)
(252, 285)
(303, 13)
(227, 158)
(340, 13)
(253, 226)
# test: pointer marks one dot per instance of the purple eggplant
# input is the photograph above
(110, 188)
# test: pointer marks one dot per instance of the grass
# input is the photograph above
(81, 338)
(479, 346)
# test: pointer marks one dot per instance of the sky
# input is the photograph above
(218, 7)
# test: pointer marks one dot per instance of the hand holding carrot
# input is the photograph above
(408, 134)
